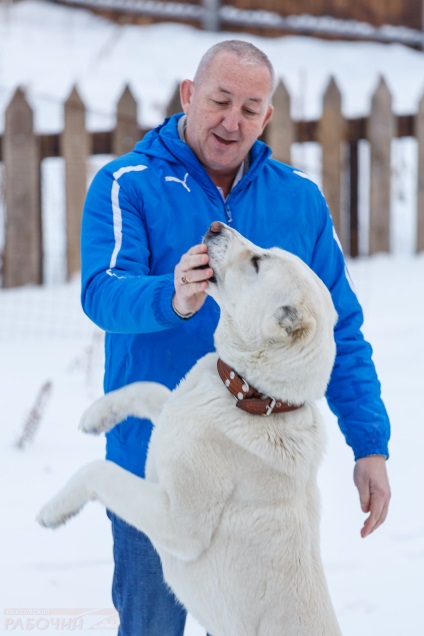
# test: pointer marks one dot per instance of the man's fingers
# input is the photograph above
(377, 516)
(374, 521)
(371, 479)
(368, 527)
(191, 277)
(193, 270)
(194, 276)
(192, 265)
(196, 257)
(365, 499)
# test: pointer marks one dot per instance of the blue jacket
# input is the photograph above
(143, 211)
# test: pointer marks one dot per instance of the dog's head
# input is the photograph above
(277, 317)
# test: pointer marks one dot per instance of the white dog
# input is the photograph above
(230, 498)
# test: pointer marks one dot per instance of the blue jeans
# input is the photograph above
(145, 604)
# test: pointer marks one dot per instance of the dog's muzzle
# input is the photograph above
(216, 243)
(215, 231)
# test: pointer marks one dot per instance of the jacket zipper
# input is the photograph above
(228, 212)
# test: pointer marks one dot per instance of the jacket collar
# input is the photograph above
(164, 142)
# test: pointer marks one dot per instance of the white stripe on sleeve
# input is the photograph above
(117, 212)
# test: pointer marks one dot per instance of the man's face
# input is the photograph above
(226, 112)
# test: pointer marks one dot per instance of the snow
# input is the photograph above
(49, 579)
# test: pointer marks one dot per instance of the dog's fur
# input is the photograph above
(230, 499)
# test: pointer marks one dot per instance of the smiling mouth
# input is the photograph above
(224, 142)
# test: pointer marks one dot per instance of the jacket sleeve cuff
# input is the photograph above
(162, 303)
(364, 452)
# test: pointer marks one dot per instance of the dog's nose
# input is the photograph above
(216, 227)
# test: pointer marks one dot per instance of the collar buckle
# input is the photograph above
(270, 407)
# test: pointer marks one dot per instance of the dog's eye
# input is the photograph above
(255, 262)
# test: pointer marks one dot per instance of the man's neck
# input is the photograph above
(225, 183)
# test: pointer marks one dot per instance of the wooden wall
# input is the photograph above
(376, 12)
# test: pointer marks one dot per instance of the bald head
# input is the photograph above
(245, 52)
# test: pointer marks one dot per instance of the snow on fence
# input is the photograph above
(22, 152)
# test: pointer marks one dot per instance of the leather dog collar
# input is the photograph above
(249, 399)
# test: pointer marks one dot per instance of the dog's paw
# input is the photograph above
(100, 417)
(52, 515)
(71, 498)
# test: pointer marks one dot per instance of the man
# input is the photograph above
(145, 273)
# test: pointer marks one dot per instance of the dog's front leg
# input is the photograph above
(104, 481)
(142, 504)
(73, 496)
(139, 399)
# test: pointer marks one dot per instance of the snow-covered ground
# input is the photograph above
(53, 581)
(377, 584)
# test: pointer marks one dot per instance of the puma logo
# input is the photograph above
(183, 183)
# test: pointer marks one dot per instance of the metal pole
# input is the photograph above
(211, 15)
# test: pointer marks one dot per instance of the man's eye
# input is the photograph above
(255, 262)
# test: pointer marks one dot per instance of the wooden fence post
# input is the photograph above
(419, 134)
(22, 258)
(353, 162)
(174, 105)
(126, 132)
(380, 132)
(75, 149)
(331, 134)
(280, 130)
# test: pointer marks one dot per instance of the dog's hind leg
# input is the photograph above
(139, 399)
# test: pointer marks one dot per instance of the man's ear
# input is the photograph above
(268, 116)
(186, 91)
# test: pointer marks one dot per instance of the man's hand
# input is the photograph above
(191, 282)
(371, 480)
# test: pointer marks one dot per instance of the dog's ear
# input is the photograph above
(292, 320)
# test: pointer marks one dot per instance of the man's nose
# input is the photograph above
(231, 121)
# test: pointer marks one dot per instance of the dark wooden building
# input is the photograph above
(375, 20)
